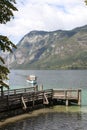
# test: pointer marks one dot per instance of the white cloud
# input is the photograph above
(46, 15)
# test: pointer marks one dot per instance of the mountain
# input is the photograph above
(59, 49)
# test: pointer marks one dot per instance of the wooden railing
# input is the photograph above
(12, 99)
(17, 97)
(17, 91)
(66, 93)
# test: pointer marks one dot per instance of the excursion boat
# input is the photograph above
(32, 79)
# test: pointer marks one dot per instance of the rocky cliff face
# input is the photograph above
(51, 50)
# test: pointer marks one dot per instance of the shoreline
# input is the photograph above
(40, 111)
(16, 118)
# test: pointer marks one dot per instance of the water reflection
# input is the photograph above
(52, 121)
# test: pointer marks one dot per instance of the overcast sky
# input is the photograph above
(47, 15)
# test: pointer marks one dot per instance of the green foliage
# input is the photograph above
(86, 1)
(6, 8)
(6, 44)
(6, 13)
(3, 75)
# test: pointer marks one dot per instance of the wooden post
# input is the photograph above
(14, 91)
(41, 87)
(2, 93)
(79, 97)
(33, 102)
(8, 101)
(25, 90)
(67, 102)
(33, 99)
(65, 93)
(66, 97)
(36, 88)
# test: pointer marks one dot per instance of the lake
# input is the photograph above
(58, 117)
(50, 78)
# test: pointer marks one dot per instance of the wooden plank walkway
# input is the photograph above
(30, 97)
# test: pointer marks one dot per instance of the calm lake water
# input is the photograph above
(58, 117)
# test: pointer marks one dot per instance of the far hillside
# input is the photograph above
(59, 49)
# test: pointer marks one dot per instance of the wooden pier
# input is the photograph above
(32, 98)
(69, 96)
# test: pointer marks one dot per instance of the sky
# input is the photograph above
(46, 15)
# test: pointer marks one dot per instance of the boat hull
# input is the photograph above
(32, 81)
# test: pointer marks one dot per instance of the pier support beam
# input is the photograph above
(25, 107)
(41, 87)
(36, 88)
(45, 100)
(67, 102)
(79, 97)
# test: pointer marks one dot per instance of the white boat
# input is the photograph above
(32, 79)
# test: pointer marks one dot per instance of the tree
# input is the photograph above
(6, 14)
(86, 1)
